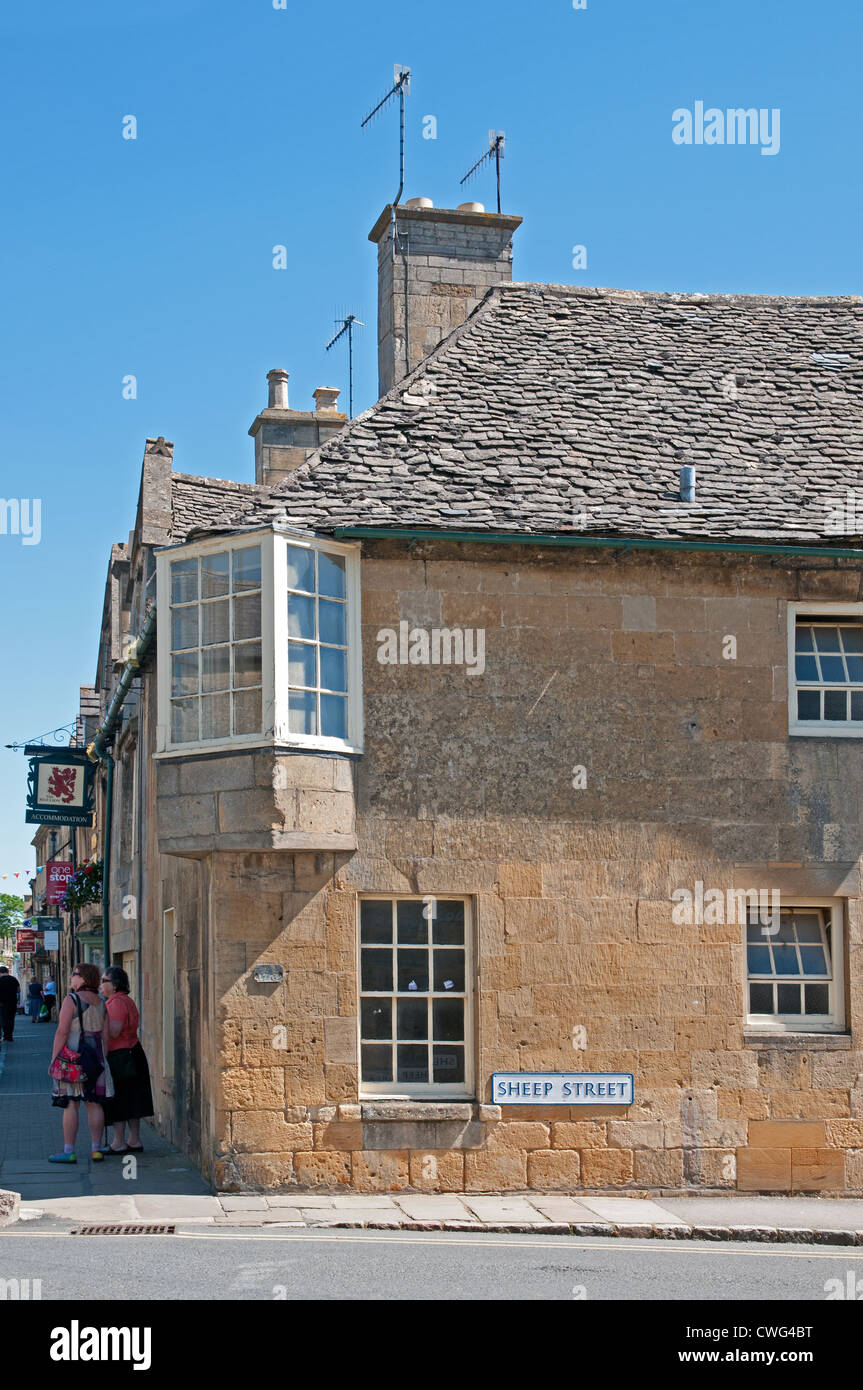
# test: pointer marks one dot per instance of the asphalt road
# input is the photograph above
(379, 1265)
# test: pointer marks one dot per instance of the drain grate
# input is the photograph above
(123, 1231)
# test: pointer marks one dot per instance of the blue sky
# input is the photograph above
(153, 257)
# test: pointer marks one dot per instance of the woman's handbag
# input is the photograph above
(65, 1066)
(91, 1067)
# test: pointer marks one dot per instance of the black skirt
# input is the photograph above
(133, 1098)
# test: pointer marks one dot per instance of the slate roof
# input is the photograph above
(195, 501)
(561, 409)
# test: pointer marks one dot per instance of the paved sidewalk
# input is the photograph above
(30, 1130)
(162, 1186)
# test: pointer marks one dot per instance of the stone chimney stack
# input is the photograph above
(445, 262)
(285, 438)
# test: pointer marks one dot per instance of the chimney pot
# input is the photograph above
(471, 207)
(326, 400)
(277, 394)
(419, 203)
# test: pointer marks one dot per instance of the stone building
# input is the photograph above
(474, 743)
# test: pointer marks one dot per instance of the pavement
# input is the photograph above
(163, 1186)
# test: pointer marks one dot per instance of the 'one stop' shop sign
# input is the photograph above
(561, 1088)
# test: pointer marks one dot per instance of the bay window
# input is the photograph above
(259, 644)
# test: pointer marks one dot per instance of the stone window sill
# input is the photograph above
(377, 1111)
(813, 1042)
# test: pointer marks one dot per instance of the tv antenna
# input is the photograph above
(496, 145)
(400, 88)
(347, 326)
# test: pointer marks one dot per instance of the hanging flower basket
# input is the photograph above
(85, 886)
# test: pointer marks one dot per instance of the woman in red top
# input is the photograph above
(133, 1099)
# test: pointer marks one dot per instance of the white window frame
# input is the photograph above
(811, 1023)
(818, 728)
(275, 730)
(429, 1090)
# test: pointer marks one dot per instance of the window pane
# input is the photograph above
(806, 668)
(301, 617)
(808, 704)
(214, 622)
(331, 575)
(413, 971)
(376, 921)
(813, 960)
(247, 712)
(184, 677)
(184, 628)
(302, 718)
(247, 616)
(786, 928)
(247, 568)
(856, 705)
(827, 639)
(785, 959)
(758, 959)
(804, 640)
(377, 1062)
(334, 669)
(855, 668)
(448, 1020)
(334, 716)
(214, 574)
(817, 999)
(184, 581)
(377, 970)
(412, 1063)
(413, 1019)
(247, 664)
(788, 999)
(301, 664)
(215, 716)
(852, 638)
(449, 971)
(808, 927)
(331, 618)
(760, 999)
(184, 721)
(377, 1018)
(448, 924)
(301, 568)
(413, 929)
(832, 668)
(448, 1064)
(835, 704)
(216, 668)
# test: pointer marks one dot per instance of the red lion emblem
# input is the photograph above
(61, 784)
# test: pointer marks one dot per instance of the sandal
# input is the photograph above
(118, 1153)
(135, 1148)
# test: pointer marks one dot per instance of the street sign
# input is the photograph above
(25, 941)
(561, 1088)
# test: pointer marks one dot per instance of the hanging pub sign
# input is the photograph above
(58, 875)
(25, 941)
(59, 787)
